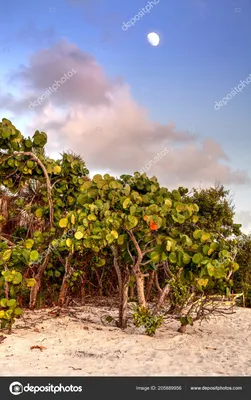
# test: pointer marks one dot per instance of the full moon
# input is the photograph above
(153, 38)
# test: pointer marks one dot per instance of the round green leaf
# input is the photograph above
(197, 258)
(63, 222)
(18, 311)
(197, 234)
(6, 255)
(17, 278)
(34, 255)
(29, 243)
(11, 303)
(79, 235)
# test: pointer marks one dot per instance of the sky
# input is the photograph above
(119, 101)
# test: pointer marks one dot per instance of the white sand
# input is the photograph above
(83, 346)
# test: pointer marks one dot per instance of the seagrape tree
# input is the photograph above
(142, 225)
(41, 190)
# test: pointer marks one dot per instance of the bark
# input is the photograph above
(123, 302)
(138, 274)
(141, 289)
(149, 285)
(132, 290)
(65, 285)
(162, 297)
(35, 289)
(157, 282)
(123, 282)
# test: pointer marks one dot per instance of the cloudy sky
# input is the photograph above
(127, 100)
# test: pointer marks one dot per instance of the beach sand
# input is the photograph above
(79, 344)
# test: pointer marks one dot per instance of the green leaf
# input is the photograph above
(34, 255)
(79, 235)
(115, 234)
(206, 250)
(133, 221)
(195, 218)
(214, 246)
(186, 240)
(97, 178)
(18, 311)
(57, 170)
(210, 269)
(63, 222)
(8, 276)
(186, 258)
(205, 237)
(101, 262)
(133, 210)
(17, 278)
(11, 303)
(168, 245)
(39, 213)
(121, 239)
(155, 257)
(197, 258)
(3, 303)
(68, 242)
(92, 217)
(126, 202)
(6, 255)
(30, 282)
(29, 243)
(168, 203)
(197, 234)
(173, 258)
(110, 238)
(202, 282)
(87, 185)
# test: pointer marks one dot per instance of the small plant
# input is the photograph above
(144, 317)
(9, 311)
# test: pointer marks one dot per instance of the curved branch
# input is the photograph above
(47, 179)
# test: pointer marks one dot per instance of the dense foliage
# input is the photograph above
(63, 234)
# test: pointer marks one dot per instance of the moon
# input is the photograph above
(153, 38)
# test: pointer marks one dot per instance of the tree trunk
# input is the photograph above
(132, 290)
(35, 289)
(123, 282)
(123, 302)
(141, 289)
(64, 287)
(149, 285)
(162, 297)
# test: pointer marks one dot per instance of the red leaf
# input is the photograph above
(153, 226)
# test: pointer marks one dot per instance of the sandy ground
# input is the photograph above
(79, 344)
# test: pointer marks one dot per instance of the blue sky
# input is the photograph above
(164, 95)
